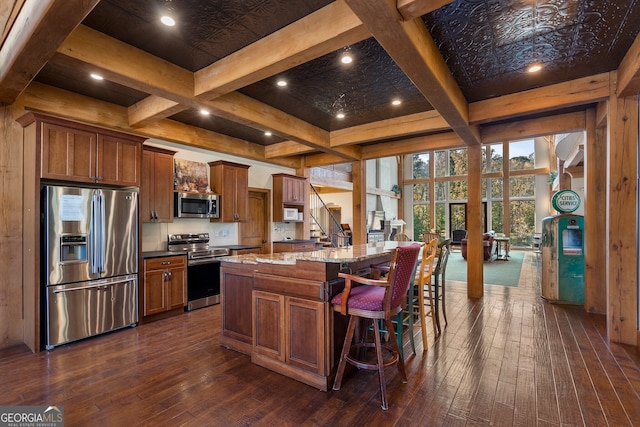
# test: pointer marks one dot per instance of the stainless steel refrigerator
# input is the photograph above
(90, 261)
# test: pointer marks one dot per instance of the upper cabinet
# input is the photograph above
(289, 191)
(156, 187)
(72, 151)
(231, 182)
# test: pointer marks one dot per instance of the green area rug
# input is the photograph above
(504, 273)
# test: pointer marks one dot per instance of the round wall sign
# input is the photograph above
(565, 201)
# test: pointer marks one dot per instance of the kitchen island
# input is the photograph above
(276, 307)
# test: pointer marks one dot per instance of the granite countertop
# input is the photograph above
(294, 241)
(347, 254)
(158, 254)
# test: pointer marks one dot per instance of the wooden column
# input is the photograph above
(475, 259)
(359, 195)
(564, 179)
(18, 322)
(595, 210)
(621, 257)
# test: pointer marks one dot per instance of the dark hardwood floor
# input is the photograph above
(506, 359)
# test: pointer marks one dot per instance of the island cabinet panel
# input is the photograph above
(269, 325)
(305, 346)
(235, 296)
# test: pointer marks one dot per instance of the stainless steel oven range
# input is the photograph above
(203, 267)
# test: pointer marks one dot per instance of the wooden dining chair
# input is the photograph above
(376, 299)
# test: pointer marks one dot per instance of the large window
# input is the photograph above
(511, 212)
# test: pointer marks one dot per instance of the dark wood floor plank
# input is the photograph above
(506, 359)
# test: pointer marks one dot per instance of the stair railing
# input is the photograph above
(323, 219)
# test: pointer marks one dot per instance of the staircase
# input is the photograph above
(324, 227)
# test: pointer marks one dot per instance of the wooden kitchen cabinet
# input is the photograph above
(289, 191)
(286, 344)
(156, 186)
(231, 182)
(281, 305)
(164, 286)
(292, 187)
(76, 152)
(236, 285)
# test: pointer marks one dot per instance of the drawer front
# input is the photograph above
(309, 289)
(165, 262)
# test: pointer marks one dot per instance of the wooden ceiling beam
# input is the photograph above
(152, 109)
(243, 109)
(412, 48)
(412, 145)
(629, 71)
(139, 70)
(72, 106)
(548, 98)
(127, 65)
(562, 123)
(36, 32)
(333, 27)
(285, 149)
(410, 9)
(412, 124)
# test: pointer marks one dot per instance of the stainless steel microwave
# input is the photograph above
(196, 205)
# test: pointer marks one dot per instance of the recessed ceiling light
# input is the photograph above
(345, 56)
(96, 76)
(340, 115)
(396, 102)
(534, 68)
(281, 83)
(204, 112)
(167, 20)
(267, 133)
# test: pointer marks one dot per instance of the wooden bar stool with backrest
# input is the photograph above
(376, 299)
(423, 292)
(439, 297)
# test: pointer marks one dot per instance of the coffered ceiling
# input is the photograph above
(458, 68)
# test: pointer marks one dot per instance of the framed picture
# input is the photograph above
(191, 176)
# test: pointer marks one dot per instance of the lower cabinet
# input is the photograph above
(290, 330)
(165, 284)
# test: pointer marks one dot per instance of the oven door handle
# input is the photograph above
(203, 260)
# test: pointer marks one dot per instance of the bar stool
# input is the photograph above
(376, 299)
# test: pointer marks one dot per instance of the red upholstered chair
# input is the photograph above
(487, 246)
(377, 299)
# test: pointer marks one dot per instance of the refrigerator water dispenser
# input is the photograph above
(73, 248)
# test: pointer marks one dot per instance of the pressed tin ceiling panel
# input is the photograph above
(488, 44)
(206, 31)
(363, 90)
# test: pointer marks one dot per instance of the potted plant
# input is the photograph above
(396, 189)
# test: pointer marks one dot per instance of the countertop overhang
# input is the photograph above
(348, 254)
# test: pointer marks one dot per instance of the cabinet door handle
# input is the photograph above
(169, 274)
(166, 263)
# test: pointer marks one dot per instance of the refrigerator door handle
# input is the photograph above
(103, 232)
(96, 284)
(95, 263)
